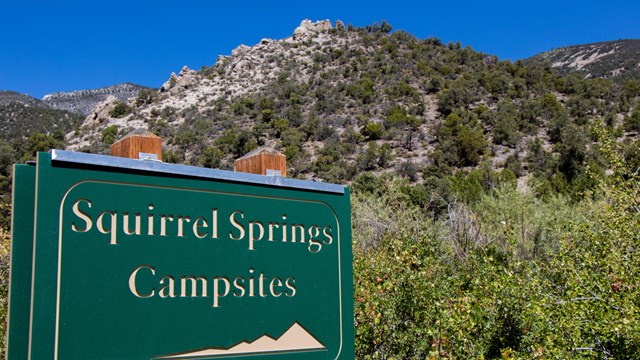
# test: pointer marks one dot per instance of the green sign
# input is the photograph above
(24, 180)
(145, 260)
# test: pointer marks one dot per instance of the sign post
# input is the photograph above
(145, 260)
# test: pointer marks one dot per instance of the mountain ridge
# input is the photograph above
(605, 59)
(22, 115)
(84, 101)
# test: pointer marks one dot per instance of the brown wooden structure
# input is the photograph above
(138, 146)
(263, 161)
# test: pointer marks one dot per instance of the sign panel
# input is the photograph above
(24, 182)
(175, 262)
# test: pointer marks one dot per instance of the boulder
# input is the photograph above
(170, 83)
(101, 111)
(241, 49)
(309, 28)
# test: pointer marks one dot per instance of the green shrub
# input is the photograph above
(590, 307)
(408, 170)
(362, 91)
(373, 131)
(211, 157)
(462, 142)
(145, 97)
(632, 122)
(120, 110)
(109, 134)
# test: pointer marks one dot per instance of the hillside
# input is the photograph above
(8, 97)
(339, 101)
(610, 59)
(22, 115)
(83, 101)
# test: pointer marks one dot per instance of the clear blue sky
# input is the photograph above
(62, 45)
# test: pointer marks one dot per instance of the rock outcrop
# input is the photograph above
(184, 80)
(308, 28)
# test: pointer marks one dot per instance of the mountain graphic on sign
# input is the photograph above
(295, 339)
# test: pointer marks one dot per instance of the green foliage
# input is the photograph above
(8, 157)
(5, 259)
(512, 276)
(39, 142)
(408, 170)
(459, 95)
(375, 156)
(109, 134)
(211, 157)
(235, 142)
(537, 157)
(368, 160)
(632, 122)
(572, 150)
(385, 155)
(146, 97)
(462, 141)
(172, 156)
(367, 183)
(496, 82)
(424, 291)
(396, 116)
(362, 90)
(591, 305)
(485, 282)
(383, 27)
(120, 110)
(280, 126)
(631, 155)
(556, 116)
(267, 115)
(505, 131)
(513, 164)
(402, 89)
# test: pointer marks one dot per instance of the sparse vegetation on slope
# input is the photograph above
(22, 115)
(330, 97)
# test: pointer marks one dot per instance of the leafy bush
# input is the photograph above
(362, 90)
(211, 157)
(5, 259)
(591, 304)
(373, 131)
(632, 122)
(38, 142)
(145, 97)
(109, 134)
(462, 141)
(120, 110)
